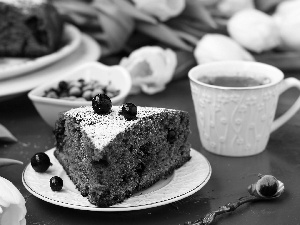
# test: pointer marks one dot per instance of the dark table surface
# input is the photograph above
(229, 180)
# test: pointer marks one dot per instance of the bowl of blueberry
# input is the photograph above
(78, 87)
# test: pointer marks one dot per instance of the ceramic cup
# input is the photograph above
(237, 121)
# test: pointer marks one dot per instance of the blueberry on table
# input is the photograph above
(40, 162)
(56, 183)
(129, 111)
(101, 104)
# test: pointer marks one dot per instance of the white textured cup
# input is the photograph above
(237, 121)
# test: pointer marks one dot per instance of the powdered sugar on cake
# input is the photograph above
(103, 128)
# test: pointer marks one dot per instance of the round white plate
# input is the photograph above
(88, 50)
(11, 67)
(185, 181)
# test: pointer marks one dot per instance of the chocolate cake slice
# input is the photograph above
(29, 28)
(109, 157)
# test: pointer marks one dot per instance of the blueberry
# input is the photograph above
(101, 104)
(40, 162)
(56, 183)
(63, 85)
(129, 111)
(81, 81)
(171, 136)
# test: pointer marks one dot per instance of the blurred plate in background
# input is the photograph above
(12, 67)
(88, 50)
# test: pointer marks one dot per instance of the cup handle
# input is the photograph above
(287, 83)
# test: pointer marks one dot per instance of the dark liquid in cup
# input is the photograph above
(225, 81)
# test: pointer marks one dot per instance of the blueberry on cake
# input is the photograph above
(113, 152)
(29, 28)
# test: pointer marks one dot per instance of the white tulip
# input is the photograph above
(287, 17)
(151, 68)
(254, 30)
(218, 47)
(162, 9)
(229, 7)
(284, 8)
(12, 204)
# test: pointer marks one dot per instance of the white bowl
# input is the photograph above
(50, 108)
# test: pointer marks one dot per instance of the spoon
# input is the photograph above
(266, 188)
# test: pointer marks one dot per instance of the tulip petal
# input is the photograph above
(151, 68)
(218, 47)
(161, 9)
(152, 89)
(12, 204)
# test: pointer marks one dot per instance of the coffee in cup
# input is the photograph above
(238, 81)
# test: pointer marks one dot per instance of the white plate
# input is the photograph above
(88, 50)
(11, 67)
(185, 181)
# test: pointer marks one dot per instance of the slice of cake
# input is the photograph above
(29, 28)
(112, 155)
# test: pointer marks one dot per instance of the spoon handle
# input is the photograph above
(267, 183)
(229, 207)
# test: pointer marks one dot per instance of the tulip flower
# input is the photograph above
(218, 47)
(254, 30)
(151, 68)
(162, 9)
(287, 17)
(12, 204)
